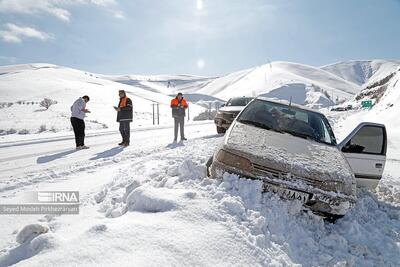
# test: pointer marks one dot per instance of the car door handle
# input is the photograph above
(378, 165)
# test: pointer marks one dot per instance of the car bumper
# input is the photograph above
(320, 202)
(223, 123)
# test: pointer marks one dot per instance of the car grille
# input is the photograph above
(273, 173)
(229, 115)
(270, 172)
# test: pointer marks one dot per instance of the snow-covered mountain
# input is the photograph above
(23, 84)
(164, 84)
(384, 91)
(305, 84)
(265, 78)
(362, 72)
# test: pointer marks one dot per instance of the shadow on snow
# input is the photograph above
(48, 158)
(108, 153)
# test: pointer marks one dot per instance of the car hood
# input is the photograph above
(231, 109)
(287, 153)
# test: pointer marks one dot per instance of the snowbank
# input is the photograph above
(366, 236)
(30, 231)
(152, 200)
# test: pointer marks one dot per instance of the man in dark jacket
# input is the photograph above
(124, 117)
(179, 106)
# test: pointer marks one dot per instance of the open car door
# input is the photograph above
(365, 151)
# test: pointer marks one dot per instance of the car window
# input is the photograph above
(240, 101)
(301, 116)
(368, 140)
(292, 120)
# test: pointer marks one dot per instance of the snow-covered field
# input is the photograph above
(151, 204)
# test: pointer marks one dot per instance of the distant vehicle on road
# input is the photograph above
(228, 112)
(293, 150)
(340, 108)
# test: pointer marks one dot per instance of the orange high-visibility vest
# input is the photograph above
(175, 102)
(122, 102)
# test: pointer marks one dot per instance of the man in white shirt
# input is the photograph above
(78, 113)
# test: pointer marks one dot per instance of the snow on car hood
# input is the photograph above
(301, 157)
(232, 108)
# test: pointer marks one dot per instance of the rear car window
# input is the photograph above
(240, 101)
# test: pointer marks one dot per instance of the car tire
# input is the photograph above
(220, 130)
(208, 166)
(332, 218)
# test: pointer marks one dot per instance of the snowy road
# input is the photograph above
(20, 162)
(151, 205)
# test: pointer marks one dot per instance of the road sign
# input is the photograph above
(366, 104)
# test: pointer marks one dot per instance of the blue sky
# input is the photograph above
(203, 37)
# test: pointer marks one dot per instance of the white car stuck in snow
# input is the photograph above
(294, 151)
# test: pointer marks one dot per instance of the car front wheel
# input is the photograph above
(221, 130)
(208, 165)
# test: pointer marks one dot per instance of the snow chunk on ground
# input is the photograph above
(189, 170)
(45, 241)
(31, 231)
(98, 228)
(152, 199)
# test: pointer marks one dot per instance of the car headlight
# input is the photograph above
(229, 116)
(219, 114)
(335, 186)
(233, 160)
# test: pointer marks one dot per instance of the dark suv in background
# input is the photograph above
(228, 112)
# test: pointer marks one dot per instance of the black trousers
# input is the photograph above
(125, 130)
(79, 130)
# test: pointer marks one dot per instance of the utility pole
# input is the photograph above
(153, 114)
(158, 113)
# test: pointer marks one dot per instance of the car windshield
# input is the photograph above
(240, 101)
(288, 119)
